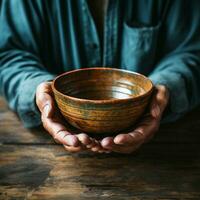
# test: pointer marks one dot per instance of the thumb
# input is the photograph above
(44, 99)
(47, 109)
(160, 101)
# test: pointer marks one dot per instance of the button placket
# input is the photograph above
(110, 34)
(91, 38)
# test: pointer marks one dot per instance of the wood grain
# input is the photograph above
(32, 166)
(48, 172)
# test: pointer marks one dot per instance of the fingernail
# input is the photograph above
(46, 110)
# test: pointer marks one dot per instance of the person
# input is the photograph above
(41, 39)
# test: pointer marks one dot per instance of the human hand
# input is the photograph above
(57, 128)
(148, 126)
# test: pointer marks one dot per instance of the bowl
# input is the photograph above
(102, 100)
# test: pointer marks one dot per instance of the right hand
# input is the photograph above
(57, 128)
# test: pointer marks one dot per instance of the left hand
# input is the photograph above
(54, 124)
(129, 142)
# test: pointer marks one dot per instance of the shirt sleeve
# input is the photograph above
(179, 67)
(21, 68)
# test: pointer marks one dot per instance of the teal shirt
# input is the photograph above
(42, 38)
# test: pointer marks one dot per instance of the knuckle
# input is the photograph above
(39, 98)
(160, 97)
(84, 138)
(140, 134)
(42, 99)
(162, 88)
(163, 93)
(42, 86)
(56, 136)
(162, 100)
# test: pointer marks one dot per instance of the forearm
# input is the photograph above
(178, 66)
(21, 69)
(20, 73)
(180, 73)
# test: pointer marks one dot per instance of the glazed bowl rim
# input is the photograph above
(106, 100)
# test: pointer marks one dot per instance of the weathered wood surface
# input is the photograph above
(32, 166)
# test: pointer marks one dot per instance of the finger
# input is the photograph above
(92, 144)
(147, 125)
(84, 139)
(59, 132)
(132, 138)
(160, 101)
(96, 146)
(143, 133)
(108, 144)
(146, 129)
(155, 109)
(44, 99)
(119, 148)
(74, 149)
(162, 96)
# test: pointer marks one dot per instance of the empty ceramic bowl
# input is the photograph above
(102, 100)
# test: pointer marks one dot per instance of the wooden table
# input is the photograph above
(32, 166)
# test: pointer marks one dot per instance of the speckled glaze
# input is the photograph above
(102, 100)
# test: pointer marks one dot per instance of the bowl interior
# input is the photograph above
(102, 84)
